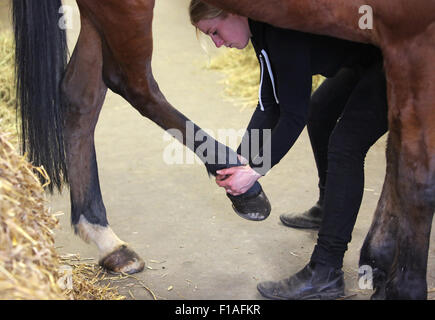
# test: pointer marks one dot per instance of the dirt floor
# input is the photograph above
(175, 217)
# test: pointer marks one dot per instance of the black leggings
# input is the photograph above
(348, 114)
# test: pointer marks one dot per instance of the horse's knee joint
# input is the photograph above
(145, 109)
(142, 100)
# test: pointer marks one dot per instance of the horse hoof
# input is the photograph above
(252, 205)
(123, 260)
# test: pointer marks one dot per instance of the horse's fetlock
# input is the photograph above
(407, 285)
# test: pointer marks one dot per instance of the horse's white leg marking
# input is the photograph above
(103, 237)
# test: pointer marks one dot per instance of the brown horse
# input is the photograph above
(60, 108)
(114, 51)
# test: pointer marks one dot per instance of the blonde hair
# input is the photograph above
(199, 10)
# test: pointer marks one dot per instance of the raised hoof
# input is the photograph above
(252, 205)
(123, 260)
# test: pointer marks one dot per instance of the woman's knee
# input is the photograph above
(346, 152)
(316, 114)
(353, 136)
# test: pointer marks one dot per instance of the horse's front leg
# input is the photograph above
(85, 91)
(127, 53)
(413, 148)
(401, 230)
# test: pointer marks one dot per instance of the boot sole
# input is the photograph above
(313, 227)
(330, 295)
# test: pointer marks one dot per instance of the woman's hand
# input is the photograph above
(237, 180)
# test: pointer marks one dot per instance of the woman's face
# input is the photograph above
(231, 31)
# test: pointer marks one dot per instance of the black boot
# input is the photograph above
(310, 219)
(315, 281)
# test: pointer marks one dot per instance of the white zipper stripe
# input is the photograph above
(269, 68)
(261, 84)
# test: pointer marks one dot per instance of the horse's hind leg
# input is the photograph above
(409, 189)
(84, 91)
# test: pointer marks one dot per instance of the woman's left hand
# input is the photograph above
(237, 180)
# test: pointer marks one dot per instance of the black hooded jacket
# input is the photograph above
(288, 60)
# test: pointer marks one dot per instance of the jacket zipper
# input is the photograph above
(269, 68)
(261, 83)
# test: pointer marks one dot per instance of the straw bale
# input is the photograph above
(30, 267)
(28, 260)
(27, 257)
(7, 87)
(242, 75)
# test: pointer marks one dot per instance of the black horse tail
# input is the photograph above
(41, 58)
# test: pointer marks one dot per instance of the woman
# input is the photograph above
(347, 116)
